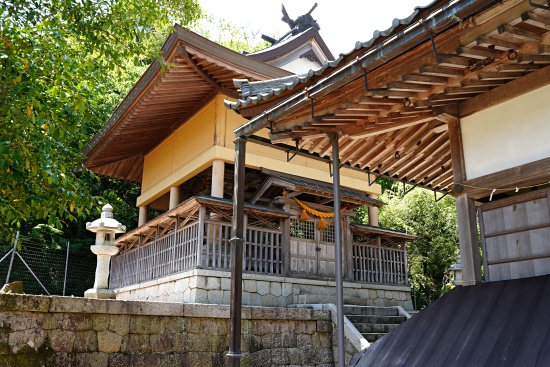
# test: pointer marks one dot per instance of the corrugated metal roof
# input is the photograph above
(277, 86)
(501, 324)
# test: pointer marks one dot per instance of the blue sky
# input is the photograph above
(342, 22)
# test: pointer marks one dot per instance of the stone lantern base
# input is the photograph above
(100, 293)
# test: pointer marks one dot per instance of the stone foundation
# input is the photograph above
(213, 287)
(67, 331)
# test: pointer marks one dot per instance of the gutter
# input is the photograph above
(372, 59)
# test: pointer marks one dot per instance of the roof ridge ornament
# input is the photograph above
(299, 25)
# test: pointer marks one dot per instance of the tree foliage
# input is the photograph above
(55, 58)
(435, 223)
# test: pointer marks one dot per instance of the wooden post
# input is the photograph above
(285, 244)
(348, 249)
(143, 212)
(404, 245)
(174, 197)
(200, 234)
(373, 212)
(379, 244)
(465, 209)
(237, 240)
(218, 172)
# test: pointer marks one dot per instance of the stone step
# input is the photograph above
(376, 319)
(375, 328)
(372, 337)
(369, 310)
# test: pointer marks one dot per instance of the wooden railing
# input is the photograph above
(166, 255)
(372, 263)
(190, 248)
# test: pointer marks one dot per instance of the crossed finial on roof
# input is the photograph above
(302, 23)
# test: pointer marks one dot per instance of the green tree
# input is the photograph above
(54, 58)
(435, 223)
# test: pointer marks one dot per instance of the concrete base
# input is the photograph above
(100, 293)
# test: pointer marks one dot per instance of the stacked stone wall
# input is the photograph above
(209, 286)
(67, 331)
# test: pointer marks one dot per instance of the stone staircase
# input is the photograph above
(374, 322)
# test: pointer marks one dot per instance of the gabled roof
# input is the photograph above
(378, 38)
(288, 45)
(315, 187)
(161, 101)
(392, 103)
(501, 324)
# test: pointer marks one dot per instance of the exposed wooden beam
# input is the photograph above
(513, 89)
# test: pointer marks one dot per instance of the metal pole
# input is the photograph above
(237, 241)
(66, 265)
(13, 250)
(338, 243)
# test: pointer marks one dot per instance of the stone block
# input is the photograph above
(380, 293)
(215, 297)
(281, 301)
(380, 302)
(192, 325)
(100, 322)
(289, 340)
(373, 294)
(197, 281)
(271, 341)
(200, 343)
(61, 340)
(187, 296)
(24, 340)
(286, 289)
(172, 324)
(269, 300)
(250, 286)
(401, 296)
(77, 321)
(246, 298)
(144, 325)
(226, 284)
(305, 341)
(95, 359)
(226, 299)
(85, 341)
(199, 295)
(296, 356)
(219, 343)
(135, 343)
(321, 340)
(388, 294)
(145, 360)
(24, 302)
(108, 342)
(118, 360)
(255, 299)
(213, 283)
(15, 321)
(182, 343)
(276, 289)
(279, 357)
(120, 324)
(262, 287)
(162, 343)
(205, 310)
(52, 321)
(324, 326)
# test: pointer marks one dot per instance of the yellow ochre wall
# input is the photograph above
(208, 136)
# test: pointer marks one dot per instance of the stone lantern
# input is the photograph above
(105, 229)
(457, 269)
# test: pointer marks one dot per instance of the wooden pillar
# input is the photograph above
(465, 209)
(285, 243)
(218, 172)
(174, 197)
(404, 246)
(373, 212)
(348, 249)
(237, 242)
(143, 212)
(379, 245)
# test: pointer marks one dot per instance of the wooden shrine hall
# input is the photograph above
(452, 98)
(173, 134)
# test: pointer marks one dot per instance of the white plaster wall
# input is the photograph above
(507, 135)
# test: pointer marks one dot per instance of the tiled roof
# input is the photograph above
(257, 91)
